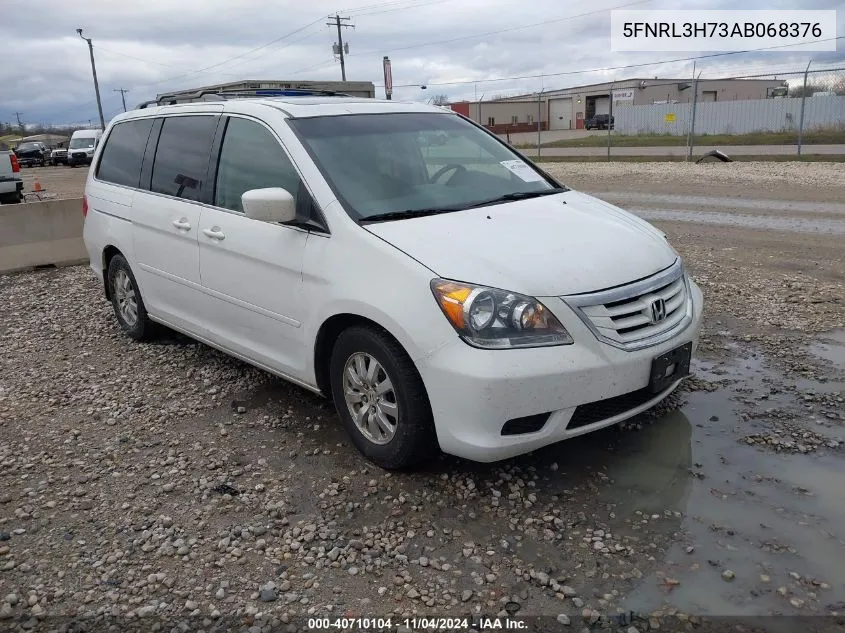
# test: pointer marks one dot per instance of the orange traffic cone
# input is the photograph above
(36, 186)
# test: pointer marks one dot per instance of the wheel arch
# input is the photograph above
(108, 254)
(327, 335)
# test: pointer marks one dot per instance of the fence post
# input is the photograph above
(688, 125)
(539, 119)
(609, 121)
(692, 116)
(803, 100)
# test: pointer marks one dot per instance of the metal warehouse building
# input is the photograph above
(567, 108)
(353, 88)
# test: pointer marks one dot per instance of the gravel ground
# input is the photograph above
(57, 182)
(740, 173)
(144, 485)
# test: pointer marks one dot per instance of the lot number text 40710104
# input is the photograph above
(417, 623)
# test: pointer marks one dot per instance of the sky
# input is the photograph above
(464, 49)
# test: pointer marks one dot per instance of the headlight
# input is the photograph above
(497, 319)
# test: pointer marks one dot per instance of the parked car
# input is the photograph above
(81, 147)
(461, 298)
(32, 153)
(58, 156)
(599, 122)
(11, 184)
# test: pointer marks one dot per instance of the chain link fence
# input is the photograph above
(793, 113)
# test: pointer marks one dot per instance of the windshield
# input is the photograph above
(26, 147)
(81, 142)
(405, 162)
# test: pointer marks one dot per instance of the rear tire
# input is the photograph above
(127, 301)
(11, 198)
(394, 427)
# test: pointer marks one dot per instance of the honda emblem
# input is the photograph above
(658, 310)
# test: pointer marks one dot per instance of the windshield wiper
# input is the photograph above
(517, 195)
(403, 215)
(418, 213)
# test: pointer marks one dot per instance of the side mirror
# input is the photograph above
(272, 204)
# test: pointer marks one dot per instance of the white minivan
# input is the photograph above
(443, 290)
(80, 150)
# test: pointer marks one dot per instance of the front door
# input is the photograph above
(252, 270)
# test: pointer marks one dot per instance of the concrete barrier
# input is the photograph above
(41, 234)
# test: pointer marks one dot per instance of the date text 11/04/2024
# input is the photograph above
(475, 623)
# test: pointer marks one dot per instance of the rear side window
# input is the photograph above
(124, 152)
(251, 158)
(181, 158)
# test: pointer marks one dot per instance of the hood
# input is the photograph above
(556, 245)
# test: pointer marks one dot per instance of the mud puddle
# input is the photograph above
(831, 347)
(779, 223)
(754, 532)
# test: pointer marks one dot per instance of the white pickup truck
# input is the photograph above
(11, 184)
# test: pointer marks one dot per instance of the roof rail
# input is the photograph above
(217, 95)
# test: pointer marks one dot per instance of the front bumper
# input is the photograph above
(474, 392)
(79, 158)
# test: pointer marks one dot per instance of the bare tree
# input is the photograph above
(440, 100)
(799, 91)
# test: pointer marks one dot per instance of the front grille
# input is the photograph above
(627, 316)
(603, 409)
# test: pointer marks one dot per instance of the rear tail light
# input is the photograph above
(16, 167)
(84, 206)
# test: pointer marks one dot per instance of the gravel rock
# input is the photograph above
(267, 595)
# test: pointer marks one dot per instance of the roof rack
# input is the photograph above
(217, 95)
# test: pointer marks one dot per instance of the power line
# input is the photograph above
(608, 68)
(138, 59)
(231, 59)
(496, 32)
(505, 30)
(397, 8)
(259, 48)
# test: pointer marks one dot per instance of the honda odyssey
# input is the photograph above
(440, 288)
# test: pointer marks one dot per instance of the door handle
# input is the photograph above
(182, 223)
(215, 233)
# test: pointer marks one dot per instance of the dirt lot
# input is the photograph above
(56, 182)
(148, 485)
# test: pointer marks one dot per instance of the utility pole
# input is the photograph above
(692, 116)
(338, 48)
(122, 92)
(20, 123)
(610, 119)
(803, 101)
(96, 83)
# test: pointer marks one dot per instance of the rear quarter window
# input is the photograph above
(123, 154)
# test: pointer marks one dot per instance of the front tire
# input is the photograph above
(127, 301)
(381, 399)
